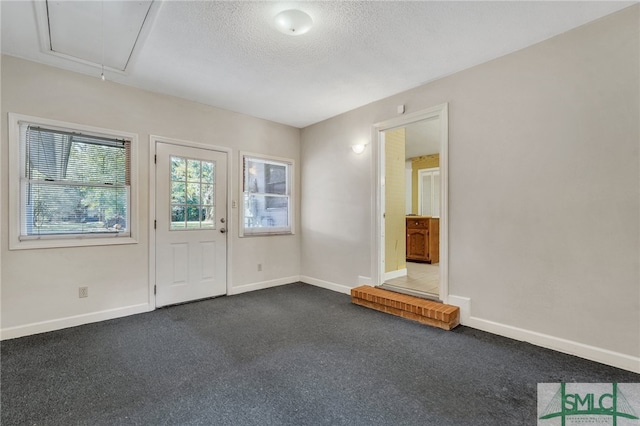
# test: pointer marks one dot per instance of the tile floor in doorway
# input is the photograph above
(422, 277)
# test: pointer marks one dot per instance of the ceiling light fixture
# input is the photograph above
(293, 22)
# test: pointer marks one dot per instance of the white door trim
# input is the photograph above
(153, 140)
(377, 247)
(421, 173)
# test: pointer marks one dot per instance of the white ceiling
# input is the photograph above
(422, 138)
(76, 29)
(228, 54)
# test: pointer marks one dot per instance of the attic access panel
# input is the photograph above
(82, 29)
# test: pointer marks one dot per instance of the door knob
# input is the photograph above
(222, 230)
(222, 220)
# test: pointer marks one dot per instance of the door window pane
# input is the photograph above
(192, 194)
(193, 171)
(207, 172)
(178, 193)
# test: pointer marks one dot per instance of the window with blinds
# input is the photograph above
(73, 184)
(266, 196)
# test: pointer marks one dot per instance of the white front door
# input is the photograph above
(191, 214)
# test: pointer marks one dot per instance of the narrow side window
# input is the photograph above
(266, 195)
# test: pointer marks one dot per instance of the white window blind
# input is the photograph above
(73, 184)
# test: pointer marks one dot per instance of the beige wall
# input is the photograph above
(42, 285)
(395, 187)
(543, 190)
(417, 163)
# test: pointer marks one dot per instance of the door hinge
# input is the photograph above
(155, 224)
(154, 289)
(155, 159)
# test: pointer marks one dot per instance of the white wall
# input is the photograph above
(544, 191)
(40, 287)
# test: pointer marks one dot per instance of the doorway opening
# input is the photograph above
(411, 209)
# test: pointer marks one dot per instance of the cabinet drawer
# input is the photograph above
(417, 223)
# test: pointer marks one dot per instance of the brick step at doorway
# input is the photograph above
(414, 308)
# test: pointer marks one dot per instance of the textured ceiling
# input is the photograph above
(228, 54)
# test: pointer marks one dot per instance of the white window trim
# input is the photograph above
(292, 201)
(15, 243)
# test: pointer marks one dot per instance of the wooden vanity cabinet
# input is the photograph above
(423, 239)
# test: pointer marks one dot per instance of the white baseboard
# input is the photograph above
(340, 288)
(365, 280)
(395, 274)
(464, 303)
(73, 321)
(593, 353)
(262, 285)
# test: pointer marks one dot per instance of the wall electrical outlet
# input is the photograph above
(259, 267)
(83, 292)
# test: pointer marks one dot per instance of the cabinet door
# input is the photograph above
(434, 240)
(417, 244)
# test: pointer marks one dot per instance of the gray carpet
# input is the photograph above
(291, 355)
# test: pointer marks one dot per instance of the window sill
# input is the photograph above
(264, 234)
(70, 242)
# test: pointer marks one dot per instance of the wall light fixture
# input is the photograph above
(359, 148)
